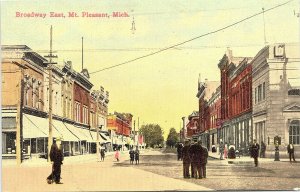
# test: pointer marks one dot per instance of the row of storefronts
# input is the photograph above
(77, 110)
(256, 98)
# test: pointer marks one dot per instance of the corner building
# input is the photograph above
(276, 97)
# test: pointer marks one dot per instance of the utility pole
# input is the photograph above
(97, 126)
(122, 133)
(50, 56)
(19, 118)
(134, 132)
(138, 129)
(265, 39)
(81, 53)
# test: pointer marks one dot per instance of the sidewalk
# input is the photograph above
(243, 159)
(94, 176)
(40, 162)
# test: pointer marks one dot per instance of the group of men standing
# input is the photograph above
(195, 156)
(134, 155)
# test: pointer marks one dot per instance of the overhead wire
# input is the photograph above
(192, 39)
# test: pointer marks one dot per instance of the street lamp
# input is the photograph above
(277, 142)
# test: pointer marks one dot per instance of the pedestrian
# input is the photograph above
(193, 163)
(262, 150)
(203, 160)
(131, 155)
(179, 151)
(186, 161)
(102, 152)
(198, 153)
(255, 151)
(117, 155)
(137, 156)
(290, 150)
(56, 157)
(225, 151)
(221, 150)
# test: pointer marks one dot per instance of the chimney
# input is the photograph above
(229, 53)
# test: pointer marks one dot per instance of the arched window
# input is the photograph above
(294, 132)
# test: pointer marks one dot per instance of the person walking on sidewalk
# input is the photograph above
(179, 151)
(221, 150)
(255, 152)
(131, 155)
(290, 150)
(203, 160)
(186, 161)
(225, 151)
(117, 155)
(56, 157)
(102, 152)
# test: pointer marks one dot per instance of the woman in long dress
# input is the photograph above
(225, 151)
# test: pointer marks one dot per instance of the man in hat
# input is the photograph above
(186, 159)
(290, 150)
(192, 151)
(255, 152)
(198, 152)
(203, 160)
(56, 157)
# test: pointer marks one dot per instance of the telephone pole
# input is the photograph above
(19, 117)
(97, 126)
(50, 56)
(134, 132)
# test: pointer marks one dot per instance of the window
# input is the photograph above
(294, 132)
(77, 111)
(260, 92)
(264, 90)
(85, 112)
(255, 95)
(294, 92)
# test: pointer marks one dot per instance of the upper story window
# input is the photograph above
(77, 111)
(294, 92)
(85, 114)
(260, 92)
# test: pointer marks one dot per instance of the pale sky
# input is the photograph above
(161, 88)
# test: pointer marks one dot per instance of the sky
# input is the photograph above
(160, 88)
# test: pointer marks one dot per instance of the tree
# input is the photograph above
(153, 134)
(173, 138)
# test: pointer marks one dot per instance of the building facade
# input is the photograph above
(276, 96)
(205, 92)
(25, 78)
(120, 127)
(236, 100)
(192, 127)
(22, 76)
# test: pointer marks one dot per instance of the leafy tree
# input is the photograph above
(173, 138)
(153, 134)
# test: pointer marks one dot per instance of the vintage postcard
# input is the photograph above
(155, 95)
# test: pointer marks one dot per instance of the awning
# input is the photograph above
(34, 127)
(76, 131)
(67, 135)
(94, 135)
(86, 134)
(105, 137)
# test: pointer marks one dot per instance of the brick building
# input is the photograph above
(120, 126)
(236, 106)
(25, 78)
